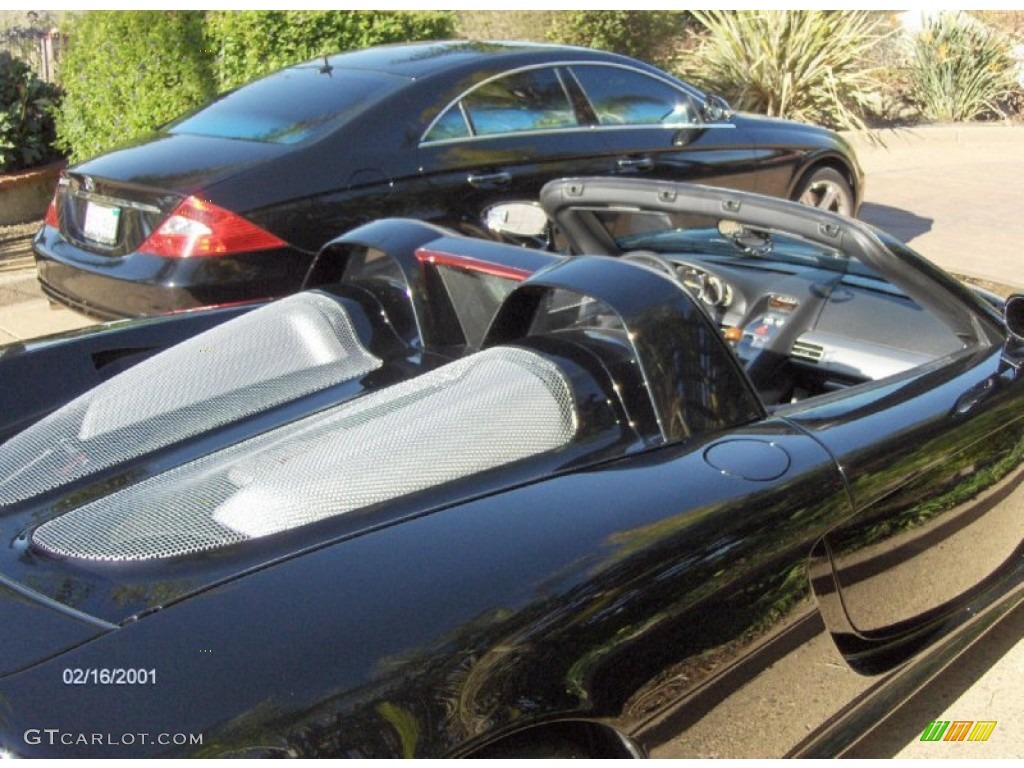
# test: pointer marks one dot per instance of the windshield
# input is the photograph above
(293, 105)
(669, 233)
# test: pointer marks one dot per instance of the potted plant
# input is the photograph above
(29, 164)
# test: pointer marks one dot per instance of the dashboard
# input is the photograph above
(801, 331)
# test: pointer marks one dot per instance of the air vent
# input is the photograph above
(808, 350)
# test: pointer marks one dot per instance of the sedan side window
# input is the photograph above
(451, 125)
(624, 97)
(534, 100)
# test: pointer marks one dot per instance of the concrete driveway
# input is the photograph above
(954, 194)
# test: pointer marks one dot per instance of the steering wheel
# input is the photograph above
(655, 261)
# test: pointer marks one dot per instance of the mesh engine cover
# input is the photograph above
(486, 410)
(293, 347)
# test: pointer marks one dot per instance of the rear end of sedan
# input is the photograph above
(159, 226)
(116, 250)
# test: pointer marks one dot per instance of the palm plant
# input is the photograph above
(960, 69)
(803, 65)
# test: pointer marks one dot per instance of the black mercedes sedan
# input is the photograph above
(230, 203)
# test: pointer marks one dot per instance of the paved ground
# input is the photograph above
(955, 195)
(24, 312)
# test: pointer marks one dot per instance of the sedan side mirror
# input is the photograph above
(715, 109)
(519, 218)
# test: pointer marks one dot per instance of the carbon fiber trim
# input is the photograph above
(296, 346)
(469, 416)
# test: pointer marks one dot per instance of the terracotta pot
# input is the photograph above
(24, 195)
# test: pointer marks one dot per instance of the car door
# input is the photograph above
(934, 462)
(908, 380)
(654, 128)
(504, 139)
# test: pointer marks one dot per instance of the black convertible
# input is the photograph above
(465, 498)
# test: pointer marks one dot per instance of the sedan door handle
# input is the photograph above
(498, 179)
(640, 163)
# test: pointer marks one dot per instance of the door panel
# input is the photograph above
(471, 175)
(934, 465)
(653, 128)
(505, 139)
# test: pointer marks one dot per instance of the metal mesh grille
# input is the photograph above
(271, 355)
(475, 414)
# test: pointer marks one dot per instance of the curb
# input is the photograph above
(962, 134)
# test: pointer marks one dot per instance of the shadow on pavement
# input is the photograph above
(901, 224)
(907, 722)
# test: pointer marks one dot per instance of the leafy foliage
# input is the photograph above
(128, 72)
(640, 34)
(27, 128)
(248, 44)
(803, 65)
(504, 25)
(960, 69)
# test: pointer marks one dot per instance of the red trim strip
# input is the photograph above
(468, 263)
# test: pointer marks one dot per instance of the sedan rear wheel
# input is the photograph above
(826, 189)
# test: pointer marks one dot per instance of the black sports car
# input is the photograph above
(232, 202)
(463, 498)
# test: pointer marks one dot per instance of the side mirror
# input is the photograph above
(715, 109)
(519, 218)
(1013, 316)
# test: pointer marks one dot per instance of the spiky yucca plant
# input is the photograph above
(959, 69)
(803, 65)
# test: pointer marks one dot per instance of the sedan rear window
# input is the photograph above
(289, 106)
(533, 100)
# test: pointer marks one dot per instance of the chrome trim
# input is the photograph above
(581, 128)
(114, 202)
(807, 350)
(684, 88)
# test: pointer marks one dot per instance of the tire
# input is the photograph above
(827, 189)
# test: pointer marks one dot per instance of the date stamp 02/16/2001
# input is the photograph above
(113, 676)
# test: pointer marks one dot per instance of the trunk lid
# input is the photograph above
(109, 205)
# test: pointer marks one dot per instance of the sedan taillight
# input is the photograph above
(51, 219)
(200, 228)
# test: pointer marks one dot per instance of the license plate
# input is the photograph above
(101, 223)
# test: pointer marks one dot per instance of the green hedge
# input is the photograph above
(128, 72)
(248, 44)
(641, 34)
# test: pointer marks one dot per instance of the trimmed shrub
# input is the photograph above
(640, 34)
(248, 44)
(803, 65)
(127, 72)
(960, 70)
(505, 25)
(27, 128)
